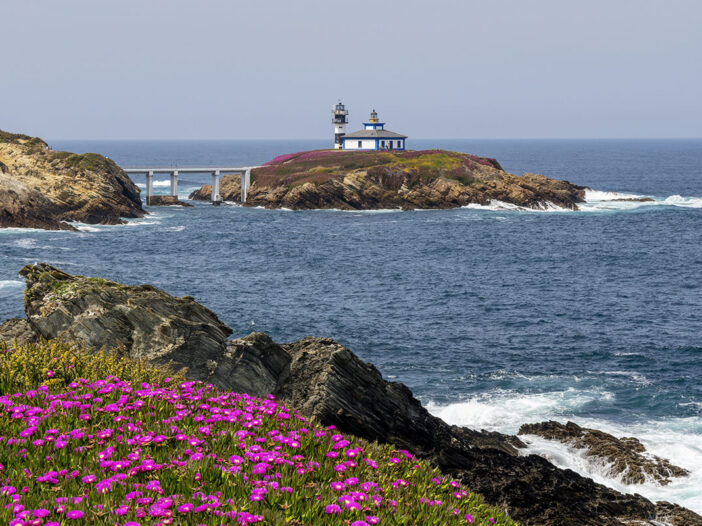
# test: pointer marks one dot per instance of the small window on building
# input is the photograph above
(360, 143)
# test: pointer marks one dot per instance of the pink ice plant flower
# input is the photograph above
(143, 453)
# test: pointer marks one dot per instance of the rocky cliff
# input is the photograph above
(368, 180)
(42, 188)
(325, 381)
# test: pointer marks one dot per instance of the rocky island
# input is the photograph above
(42, 188)
(327, 382)
(371, 180)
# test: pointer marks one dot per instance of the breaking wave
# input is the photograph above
(599, 201)
(9, 287)
(677, 439)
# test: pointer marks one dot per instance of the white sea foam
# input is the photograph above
(505, 411)
(156, 184)
(9, 287)
(599, 195)
(377, 211)
(678, 440)
(84, 227)
(599, 201)
(685, 202)
(497, 205)
(25, 243)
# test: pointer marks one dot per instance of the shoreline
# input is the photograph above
(497, 450)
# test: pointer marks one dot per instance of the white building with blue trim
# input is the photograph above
(373, 136)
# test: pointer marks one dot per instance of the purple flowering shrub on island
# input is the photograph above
(113, 452)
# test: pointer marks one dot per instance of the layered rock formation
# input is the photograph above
(323, 380)
(143, 321)
(368, 180)
(626, 457)
(41, 188)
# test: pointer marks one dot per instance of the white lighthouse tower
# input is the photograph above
(340, 120)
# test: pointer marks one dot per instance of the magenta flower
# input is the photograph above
(332, 509)
(74, 514)
(185, 508)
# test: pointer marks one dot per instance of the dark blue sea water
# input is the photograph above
(493, 316)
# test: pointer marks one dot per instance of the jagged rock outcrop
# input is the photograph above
(42, 188)
(626, 456)
(366, 180)
(327, 382)
(143, 321)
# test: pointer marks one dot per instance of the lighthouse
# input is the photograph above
(340, 120)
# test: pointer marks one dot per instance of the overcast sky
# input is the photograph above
(230, 69)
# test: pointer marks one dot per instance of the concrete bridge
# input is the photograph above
(245, 172)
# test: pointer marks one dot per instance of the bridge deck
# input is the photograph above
(188, 170)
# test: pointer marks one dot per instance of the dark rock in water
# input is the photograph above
(142, 320)
(327, 382)
(165, 200)
(18, 330)
(626, 456)
(635, 199)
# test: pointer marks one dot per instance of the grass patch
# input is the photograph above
(56, 365)
(20, 138)
(291, 170)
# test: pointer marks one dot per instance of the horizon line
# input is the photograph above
(415, 139)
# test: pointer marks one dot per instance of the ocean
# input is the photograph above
(494, 316)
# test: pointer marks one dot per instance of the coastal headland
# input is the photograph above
(372, 180)
(329, 383)
(43, 188)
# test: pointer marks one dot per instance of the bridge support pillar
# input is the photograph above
(245, 183)
(216, 198)
(174, 183)
(149, 187)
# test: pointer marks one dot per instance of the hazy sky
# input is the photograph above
(204, 69)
